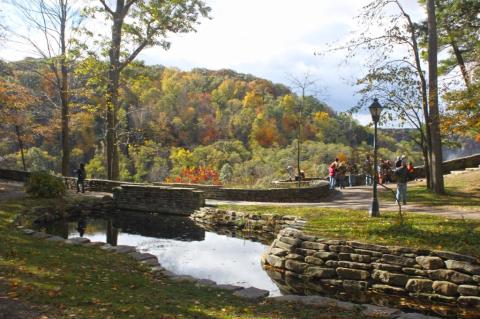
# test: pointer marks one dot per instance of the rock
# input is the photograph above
(40, 235)
(415, 272)
(141, 256)
(445, 288)
(150, 262)
(344, 257)
(450, 275)
(355, 285)
(341, 249)
(419, 285)
(284, 246)
(251, 293)
(469, 301)
(318, 272)
(326, 255)
(229, 287)
(348, 306)
(354, 265)
(414, 316)
(454, 256)
(331, 263)
(387, 267)
(275, 261)
(430, 263)
(314, 245)
(370, 247)
(291, 241)
(388, 289)
(277, 252)
(77, 241)
(56, 238)
(469, 290)
(295, 266)
(95, 244)
(315, 261)
(183, 278)
(368, 252)
(463, 266)
(287, 298)
(476, 279)
(28, 231)
(390, 278)
(398, 260)
(205, 283)
(334, 242)
(295, 257)
(123, 249)
(380, 312)
(305, 252)
(317, 301)
(355, 274)
(360, 258)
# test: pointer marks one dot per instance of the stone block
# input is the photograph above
(320, 273)
(295, 242)
(305, 252)
(341, 249)
(470, 301)
(418, 285)
(476, 279)
(314, 245)
(469, 290)
(445, 288)
(387, 267)
(334, 242)
(354, 274)
(295, 257)
(354, 265)
(331, 263)
(278, 252)
(315, 261)
(326, 255)
(450, 275)
(280, 244)
(368, 252)
(463, 266)
(415, 272)
(369, 247)
(392, 279)
(360, 258)
(275, 261)
(355, 285)
(344, 256)
(388, 289)
(372, 311)
(430, 262)
(398, 260)
(295, 266)
(454, 256)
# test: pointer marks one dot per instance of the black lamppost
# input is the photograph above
(375, 111)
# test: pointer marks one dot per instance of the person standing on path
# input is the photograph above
(332, 172)
(402, 178)
(367, 170)
(81, 174)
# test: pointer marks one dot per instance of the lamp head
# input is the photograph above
(375, 110)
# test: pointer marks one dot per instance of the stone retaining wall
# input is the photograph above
(315, 193)
(436, 276)
(453, 165)
(253, 226)
(158, 199)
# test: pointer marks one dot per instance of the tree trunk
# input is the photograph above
(461, 63)
(20, 144)
(112, 94)
(64, 92)
(436, 162)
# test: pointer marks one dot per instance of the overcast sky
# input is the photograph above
(272, 39)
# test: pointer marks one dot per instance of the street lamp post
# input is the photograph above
(375, 110)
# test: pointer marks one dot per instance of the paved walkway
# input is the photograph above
(361, 198)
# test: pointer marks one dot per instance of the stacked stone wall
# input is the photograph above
(432, 275)
(316, 193)
(158, 199)
(453, 165)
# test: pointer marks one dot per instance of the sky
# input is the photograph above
(271, 39)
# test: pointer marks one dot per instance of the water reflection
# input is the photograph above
(180, 245)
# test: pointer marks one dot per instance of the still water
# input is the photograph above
(181, 247)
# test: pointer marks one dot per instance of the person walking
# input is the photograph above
(81, 174)
(401, 173)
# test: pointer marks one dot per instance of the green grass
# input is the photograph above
(462, 192)
(418, 230)
(85, 282)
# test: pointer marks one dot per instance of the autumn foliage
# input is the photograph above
(197, 175)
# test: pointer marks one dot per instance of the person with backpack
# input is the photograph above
(401, 173)
(81, 174)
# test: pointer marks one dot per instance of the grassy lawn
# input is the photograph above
(418, 230)
(84, 282)
(462, 191)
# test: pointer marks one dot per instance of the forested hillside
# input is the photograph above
(198, 126)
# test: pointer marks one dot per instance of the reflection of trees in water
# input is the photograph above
(334, 288)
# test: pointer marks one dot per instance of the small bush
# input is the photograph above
(42, 184)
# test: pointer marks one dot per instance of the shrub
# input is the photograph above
(42, 184)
